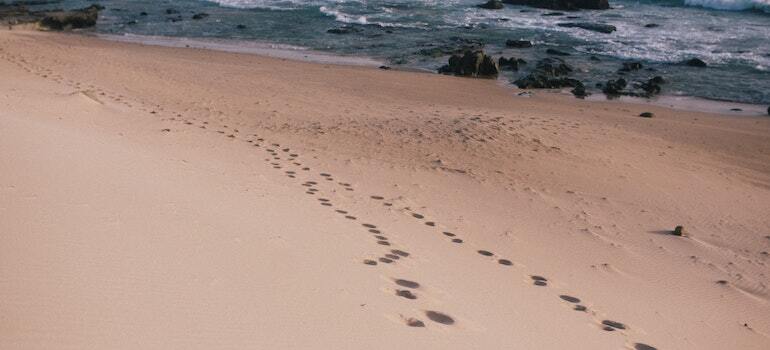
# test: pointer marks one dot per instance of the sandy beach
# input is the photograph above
(178, 198)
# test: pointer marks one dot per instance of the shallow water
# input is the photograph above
(732, 36)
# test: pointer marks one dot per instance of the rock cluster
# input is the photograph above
(471, 64)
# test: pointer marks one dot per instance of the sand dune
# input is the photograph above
(181, 198)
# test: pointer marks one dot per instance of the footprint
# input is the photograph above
(341, 211)
(540, 281)
(457, 240)
(642, 346)
(439, 317)
(612, 324)
(418, 216)
(580, 308)
(370, 262)
(392, 256)
(368, 225)
(449, 234)
(383, 243)
(505, 262)
(350, 217)
(485, 253)
(570, 299)
(379, 198)
(385, 260)
(407, 283)
(405, 294)
(375, 231)
(413, 322)
(400, 253)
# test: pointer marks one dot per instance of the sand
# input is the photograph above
(163, 198)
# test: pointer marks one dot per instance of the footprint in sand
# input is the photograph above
(418, 216)
(439, 317)
(569, 299)
(539, 281)
(406, 283)
(485, 253)
(400, 253)
(405, 294)
(642, 346)
(413, 322)
(370, 262)
(379, 198)
(612, 325)
(504, 262)
(385, 260)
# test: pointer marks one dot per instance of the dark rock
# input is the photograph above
(595, 27)
(652, 25)
(200, 15)
(508, 63)
(614, 87)
(549, 73)
(646, 115)
(143, 13)
(384, 67)
(171, 11)
(678, 231)
(75, 19)
(491, 5)
(695, 62)
(556, 52)
(580, 91)
(553, 14)
(631, 66)
(768, 110)
(471, 64)
(519, 44)
(240, 26)
(563, 5)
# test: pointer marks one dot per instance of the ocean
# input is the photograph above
(731, 36)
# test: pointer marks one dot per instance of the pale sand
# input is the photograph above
(117, 234)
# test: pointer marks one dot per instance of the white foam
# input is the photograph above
(731, 5)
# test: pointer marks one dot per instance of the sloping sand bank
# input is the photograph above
(162, 198)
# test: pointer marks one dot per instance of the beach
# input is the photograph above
(168, 197)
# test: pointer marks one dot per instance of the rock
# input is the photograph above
(143, 13)
(631, 66)
(768, 110)
(580, 91)
(549, 73)
(508, 63)
(471, 64)
(519, 44)
(550, 14)
(563, 5)
(595, 27)
(75, 19)
(614, 87)
(240, 26)
(556, 52)
(695, 62)
(678, 231)
(652, 25)
(491, 5)
(646, 115)
(200, 15)
(384, 67)
(171, 11)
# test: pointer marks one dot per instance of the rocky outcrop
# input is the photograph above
(491, 5)
(563, 5)
(644, 89)
(471, 64)
(556, 52)
(630, 66)
(549, 73)
(510, 63)
(594, 27)
(53, 20)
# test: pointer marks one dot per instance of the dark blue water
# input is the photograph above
(732, 36)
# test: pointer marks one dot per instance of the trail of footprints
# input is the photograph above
(280, 157)
(409, 290)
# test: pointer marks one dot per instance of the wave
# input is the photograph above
(343, 17)
(262, 4)
(731, 5)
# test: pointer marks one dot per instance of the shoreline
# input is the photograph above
(268, 49)
(167, 197)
